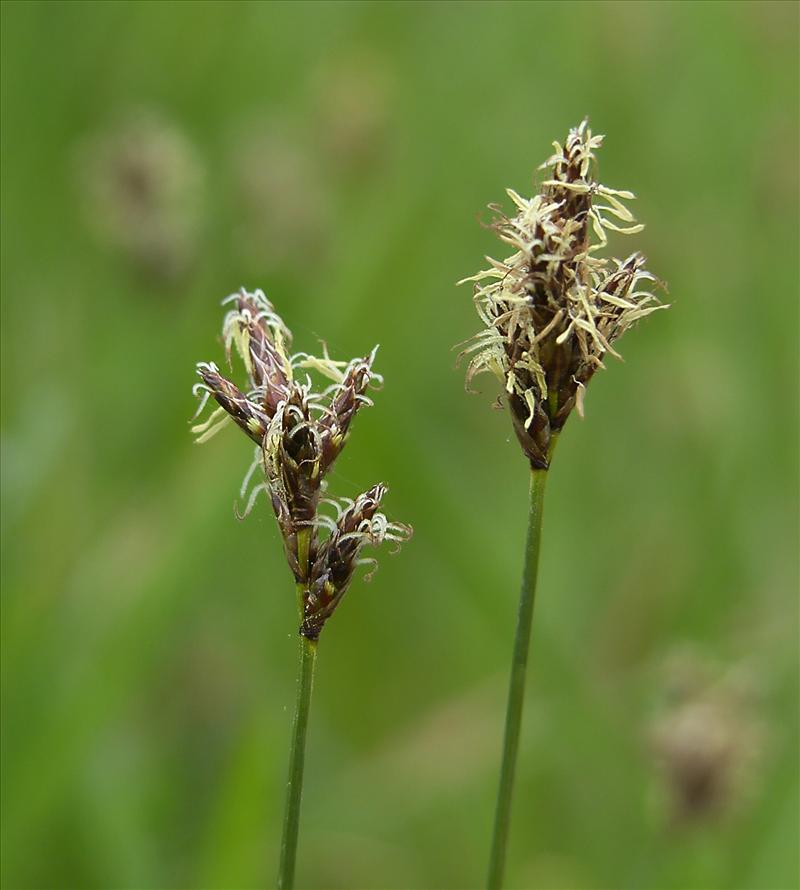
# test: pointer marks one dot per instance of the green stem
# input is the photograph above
(297, 748)
(297, 754)
(516, 689)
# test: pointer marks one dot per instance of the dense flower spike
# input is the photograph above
(299, 434)
(553, 309)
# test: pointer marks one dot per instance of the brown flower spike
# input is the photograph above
(553, 309)
(299, 433)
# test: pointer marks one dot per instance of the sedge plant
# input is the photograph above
(551, 312)
(298, 432)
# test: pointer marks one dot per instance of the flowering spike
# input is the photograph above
(553, 309)
(299, 434)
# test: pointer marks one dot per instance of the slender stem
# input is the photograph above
(516, 689)
(297, 754)
(297, 748)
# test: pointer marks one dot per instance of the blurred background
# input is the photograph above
(157, 156)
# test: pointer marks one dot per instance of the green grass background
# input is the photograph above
(148, 637)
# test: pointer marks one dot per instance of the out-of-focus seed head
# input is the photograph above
(708, 739)
(354, 98)
(553, 309)
(282, 196)
(142, 184)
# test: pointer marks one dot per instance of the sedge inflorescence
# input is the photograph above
(298, 432)
(553, 308)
